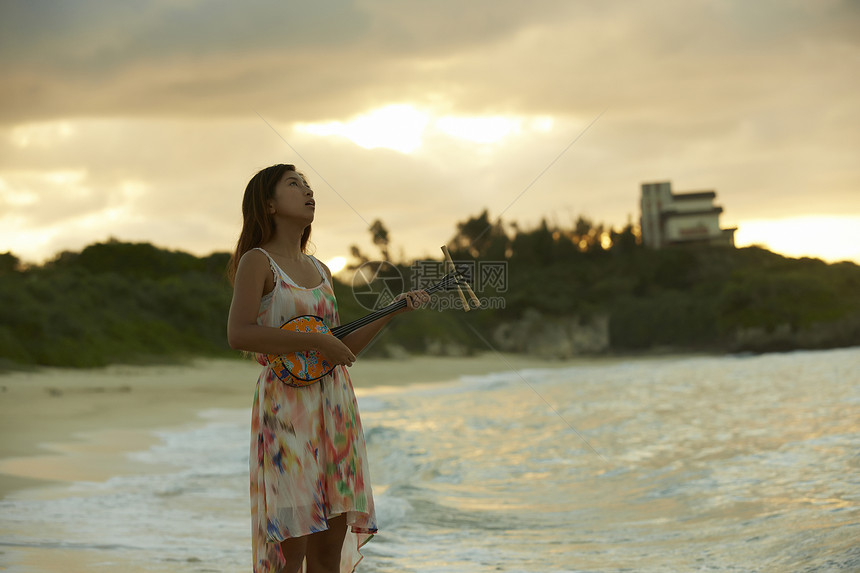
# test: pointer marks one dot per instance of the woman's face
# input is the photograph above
(293, 198)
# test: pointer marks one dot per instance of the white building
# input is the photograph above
(681, 218)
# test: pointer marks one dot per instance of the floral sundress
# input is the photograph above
(308, 456)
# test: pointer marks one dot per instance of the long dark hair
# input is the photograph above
(258, 226)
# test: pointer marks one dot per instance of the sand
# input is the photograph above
(63, 425)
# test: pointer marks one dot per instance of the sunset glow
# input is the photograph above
(336, 264)
(397, 127)
(831, 238)
(402, 127)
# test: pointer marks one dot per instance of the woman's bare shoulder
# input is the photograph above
(253, 261)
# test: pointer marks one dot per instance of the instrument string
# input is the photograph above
(343, 330)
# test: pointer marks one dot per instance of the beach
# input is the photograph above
(485, 463)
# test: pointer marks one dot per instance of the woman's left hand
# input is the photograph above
(414, 299)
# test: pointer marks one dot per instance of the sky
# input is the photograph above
(144, 120)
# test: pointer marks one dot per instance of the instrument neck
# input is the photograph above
(345, 329)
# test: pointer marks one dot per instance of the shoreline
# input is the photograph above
(59, 426)
(87, 527)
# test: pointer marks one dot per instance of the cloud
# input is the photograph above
(691, 68)
(215, 58)
(148, 111)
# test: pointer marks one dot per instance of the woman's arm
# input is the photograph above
(357, 340)
(243, 332)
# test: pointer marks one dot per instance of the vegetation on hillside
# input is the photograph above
(113, 302)
(132, 302)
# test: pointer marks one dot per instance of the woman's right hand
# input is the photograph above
(334, 350)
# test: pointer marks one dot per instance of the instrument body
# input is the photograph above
(300, 369)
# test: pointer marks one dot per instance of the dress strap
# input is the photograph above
(276, 270)
(320, 269)
(262, 250)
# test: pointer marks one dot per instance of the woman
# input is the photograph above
(311, 500)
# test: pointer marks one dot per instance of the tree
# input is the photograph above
(379, 235)
(479, 237)
(358, 256)
(625, 241)
(9, 263)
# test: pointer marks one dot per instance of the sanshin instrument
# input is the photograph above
(303, 368)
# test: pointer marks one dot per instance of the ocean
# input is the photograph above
(734, 463)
